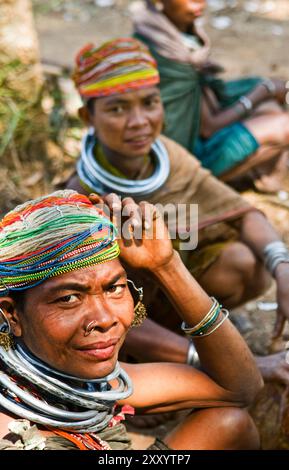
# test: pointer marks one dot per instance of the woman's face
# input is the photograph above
(182, 13)
(128, 123)
(56, 314)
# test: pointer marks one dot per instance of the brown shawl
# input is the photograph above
(167, 39)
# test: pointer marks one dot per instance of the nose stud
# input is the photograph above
(90, 327)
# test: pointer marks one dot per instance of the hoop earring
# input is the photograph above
(140, 312)
(6, 338)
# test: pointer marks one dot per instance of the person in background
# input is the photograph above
(238, 129)
(125, 153)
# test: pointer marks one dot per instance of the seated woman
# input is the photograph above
(124, 153)
(66, 308)
(236, 128)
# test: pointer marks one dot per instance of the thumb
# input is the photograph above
(279, 325)
(95, 198)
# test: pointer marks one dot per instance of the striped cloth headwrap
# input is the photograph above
(117, 66)
(50, 236)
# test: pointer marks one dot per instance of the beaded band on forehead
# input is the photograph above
(117, 66)
(50, 236)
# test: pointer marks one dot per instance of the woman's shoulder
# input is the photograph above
(178, 154)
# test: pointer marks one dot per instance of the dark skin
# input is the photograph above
(267, 122)
(234, 278)
(52, 324)
(239, 271)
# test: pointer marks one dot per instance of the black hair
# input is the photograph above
(90, 105)
(19, 299)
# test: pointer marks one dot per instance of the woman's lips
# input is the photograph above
(100, 350)
(100, 354)
(139, 141)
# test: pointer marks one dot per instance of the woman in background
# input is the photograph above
(232, 127)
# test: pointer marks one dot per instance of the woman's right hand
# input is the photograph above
(144, 241)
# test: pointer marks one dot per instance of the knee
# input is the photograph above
(242, 258)
(238, 429)
(283, 127)
(251, 271)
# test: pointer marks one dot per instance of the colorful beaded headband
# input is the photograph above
(51, 236)
(117, 66)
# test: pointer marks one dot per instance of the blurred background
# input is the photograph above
(40, 131)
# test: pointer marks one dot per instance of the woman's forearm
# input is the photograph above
(152, 342)
(224, 351)
(213, 121)
(257, 232)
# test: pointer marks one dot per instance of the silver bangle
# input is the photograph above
(271, 87)
(193, 357)
(274, 254)
(226, 315)
(191, 329)
(246, 102)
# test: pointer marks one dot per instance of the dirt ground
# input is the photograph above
(253, 41)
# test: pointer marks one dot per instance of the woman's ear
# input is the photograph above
(84, 115)
(9, 312)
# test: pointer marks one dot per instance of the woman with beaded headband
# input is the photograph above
(66, 305)
(237, 128)
(124, 152)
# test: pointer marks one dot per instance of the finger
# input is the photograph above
(95, 198)
(279, 325)
(98, 202)
(131, 210)
(113, 201)
(114, 205)
(147, 213)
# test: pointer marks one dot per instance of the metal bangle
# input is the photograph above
(188, 330)
(246, 102)
(193, 357)
(226, 315)
(270, 85)
(275, 253)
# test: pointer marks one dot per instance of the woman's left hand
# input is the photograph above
(144, 240)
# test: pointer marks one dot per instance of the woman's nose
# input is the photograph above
(99, 317)
(137, 118)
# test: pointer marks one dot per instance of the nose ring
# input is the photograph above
(89, 328)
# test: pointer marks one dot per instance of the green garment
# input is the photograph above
(181, 95)
(181, 89)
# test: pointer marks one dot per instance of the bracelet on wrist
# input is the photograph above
(211, 315)
(209, 324)
(247, 103)
(193, 357)
(275, 253)
(270, 86)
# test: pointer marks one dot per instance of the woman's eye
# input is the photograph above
(117, 109)
(152, 102)
(68, 299)
(117, 289)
